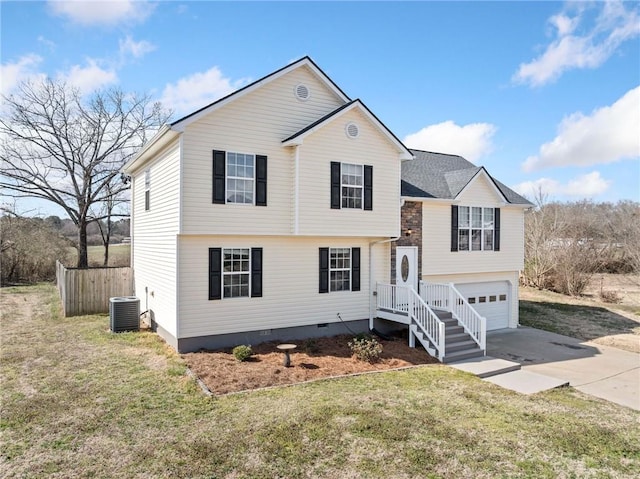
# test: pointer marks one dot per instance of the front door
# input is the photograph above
(406, 270)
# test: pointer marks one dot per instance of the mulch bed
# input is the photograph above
(312, 359)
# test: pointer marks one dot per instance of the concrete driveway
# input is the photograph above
(601, 371)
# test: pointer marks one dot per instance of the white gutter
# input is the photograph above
(371, 275)
(296, 190)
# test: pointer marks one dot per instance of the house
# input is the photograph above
(287, 210)
(265, 215)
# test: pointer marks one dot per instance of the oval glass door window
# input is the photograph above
(404, 268)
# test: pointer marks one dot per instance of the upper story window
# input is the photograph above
(147, 190)
(239, 178)
(351, 186)
(475, 228)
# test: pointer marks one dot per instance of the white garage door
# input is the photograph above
(490, 300)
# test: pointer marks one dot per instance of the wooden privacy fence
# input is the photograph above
(87, 291)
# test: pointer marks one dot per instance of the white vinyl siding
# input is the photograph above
(290, 285)
(154, 240)
(256, 122)
(330, 143)
(437, 257)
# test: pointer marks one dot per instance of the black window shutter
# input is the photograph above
(454, 228)
(256, 272)
(261, 180)
(496, 229)
(368, 187)
(324, 270)
(355, 269)
(147, 200)
(335, 185)
(219, 167)
(215, 273)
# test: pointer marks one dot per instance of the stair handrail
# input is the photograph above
(446, 296)
(474, 324)
(427, 321)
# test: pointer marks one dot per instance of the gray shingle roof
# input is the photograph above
(438, 175)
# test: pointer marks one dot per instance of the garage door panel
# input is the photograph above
(490, 299)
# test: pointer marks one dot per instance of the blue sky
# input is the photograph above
(544, 94)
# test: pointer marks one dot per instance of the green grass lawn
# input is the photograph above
(78, 401)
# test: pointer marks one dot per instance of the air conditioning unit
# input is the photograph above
(124, 314)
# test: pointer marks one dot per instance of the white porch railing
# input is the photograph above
(405, 300)
(447, 298)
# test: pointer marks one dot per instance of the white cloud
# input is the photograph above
(589, 185)
(129, 47)
(90, 77)
(470, 141)
(101, 12)
(609, 134)
(198, 90)
(590, 48)
(13, 73)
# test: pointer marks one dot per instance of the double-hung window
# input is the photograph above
(235, 273)
(147, 190)
(352, 185)
(239, 178)
(339, 269)
(475, 228)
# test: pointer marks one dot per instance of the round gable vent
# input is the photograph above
(352, 130)
(302, 92)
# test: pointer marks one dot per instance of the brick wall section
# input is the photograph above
(410, 219)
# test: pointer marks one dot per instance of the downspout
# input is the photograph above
(296, 193)
(371, 275)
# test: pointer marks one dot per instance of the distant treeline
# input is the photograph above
(29, 247)
(566, 243)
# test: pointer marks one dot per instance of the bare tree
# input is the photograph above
(109, 210)
(61, 146)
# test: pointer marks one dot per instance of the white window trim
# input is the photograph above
(231, 273)
(147, 189)
(344, 185)
(470, 228)
(348, 289)
(227, 177)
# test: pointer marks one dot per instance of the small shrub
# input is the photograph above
(311, 346)
(610, 297)
(366, 348)
(242, 352)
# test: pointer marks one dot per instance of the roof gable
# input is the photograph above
(442, 176)
(298, 137)
(182, 123)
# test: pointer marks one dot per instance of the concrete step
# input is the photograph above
(526, 382)
(463, 354)
(486, 366)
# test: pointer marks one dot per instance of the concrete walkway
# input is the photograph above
(601, 371)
